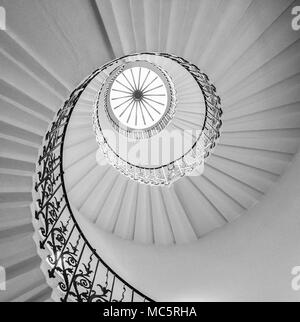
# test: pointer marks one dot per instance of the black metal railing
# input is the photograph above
(78, 272)
(204, 140)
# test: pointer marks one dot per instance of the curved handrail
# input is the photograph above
(198, 151)
(81, 273)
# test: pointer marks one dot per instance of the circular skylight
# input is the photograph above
(140, 99)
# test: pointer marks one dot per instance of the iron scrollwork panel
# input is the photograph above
(80, 273)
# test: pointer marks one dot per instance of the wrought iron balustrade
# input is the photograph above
(77, 271)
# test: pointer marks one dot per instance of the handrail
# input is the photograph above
(81, 274)
(205, 141)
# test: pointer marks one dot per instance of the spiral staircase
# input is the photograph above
(250, 53)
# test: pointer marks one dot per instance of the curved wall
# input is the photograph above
(48, 48)
(250, 259)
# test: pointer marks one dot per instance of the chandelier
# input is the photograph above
(156, 117)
